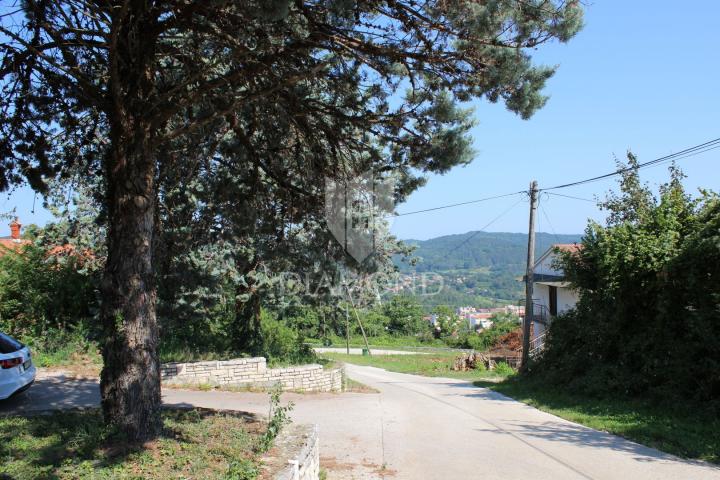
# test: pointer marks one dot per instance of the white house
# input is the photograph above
(552, 294)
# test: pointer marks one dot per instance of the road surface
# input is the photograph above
(425, 428)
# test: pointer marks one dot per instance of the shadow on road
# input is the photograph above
(53, 393)
(565, 431)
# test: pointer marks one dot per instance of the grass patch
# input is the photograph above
(328, 364)
(354, 386)
(430, 365)
(78, 445)
(67, 351)
(678, 429)
(409, 342)
(66, 356)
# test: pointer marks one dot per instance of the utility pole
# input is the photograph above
(528, 318)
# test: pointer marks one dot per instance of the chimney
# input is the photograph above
(15, 229)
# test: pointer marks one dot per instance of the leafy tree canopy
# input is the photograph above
(269, 98)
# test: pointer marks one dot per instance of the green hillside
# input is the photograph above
(480, 269)
(489, 250)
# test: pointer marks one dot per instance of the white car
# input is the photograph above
(17, 371)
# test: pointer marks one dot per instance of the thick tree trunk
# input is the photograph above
(130, 381)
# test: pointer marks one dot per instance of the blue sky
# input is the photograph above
(642, 75)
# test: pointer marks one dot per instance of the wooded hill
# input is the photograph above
(478, 267)
(498, 251)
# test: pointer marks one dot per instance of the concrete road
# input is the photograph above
(426, 428)
(447, 429)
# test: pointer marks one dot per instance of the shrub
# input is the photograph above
(242, 469)
(484, 340)
(504, 369)
(375, 324)
(40, 292)
(283, 345)
(646, 322)
(279, 417)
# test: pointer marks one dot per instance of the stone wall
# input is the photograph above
(252, 372)
(297, 454)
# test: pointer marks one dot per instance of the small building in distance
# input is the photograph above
(552, 294)
(480, 318)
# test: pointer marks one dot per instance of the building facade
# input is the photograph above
(552, 293)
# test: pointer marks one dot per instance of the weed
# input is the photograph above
(243, 469)
(350, 385)
(279, 417)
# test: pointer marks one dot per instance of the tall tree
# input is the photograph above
(118, 87)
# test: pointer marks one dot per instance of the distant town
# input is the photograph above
(479, 319)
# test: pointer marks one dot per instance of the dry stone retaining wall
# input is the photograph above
(300, 448)
(252, 372)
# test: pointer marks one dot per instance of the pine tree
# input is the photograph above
(116, 89)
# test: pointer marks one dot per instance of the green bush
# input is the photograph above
(504, 369)
(40, 292)
(283, 345)
(242, 469)
(484, 340)
(375, 324)
(404, 315)
(646, 324)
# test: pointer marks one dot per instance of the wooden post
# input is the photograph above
(357, 317)
(527, 320)
(347, 329)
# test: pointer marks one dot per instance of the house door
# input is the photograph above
(553, 301)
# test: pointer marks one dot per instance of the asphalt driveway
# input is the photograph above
(423, 428)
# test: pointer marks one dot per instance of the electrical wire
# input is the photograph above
(547, 218)
(688, 152)
(570, 196)
(466, 240)
(455, 204)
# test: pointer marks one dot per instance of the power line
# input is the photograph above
(455, 204)
(570, 196)
(547, 218)
(688, 152)
(466, 240)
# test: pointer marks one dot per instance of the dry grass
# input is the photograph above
(78, 365)
(356, 387)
